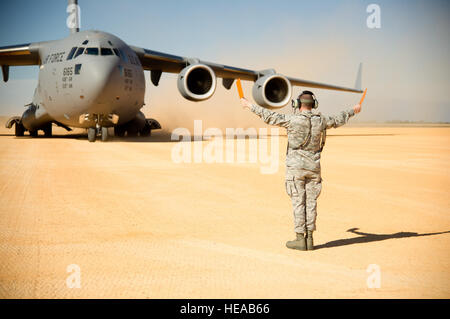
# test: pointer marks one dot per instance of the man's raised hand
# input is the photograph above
(357, 108)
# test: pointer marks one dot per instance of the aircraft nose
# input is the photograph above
(102, 81)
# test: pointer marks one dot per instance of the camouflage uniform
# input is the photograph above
(306, 133)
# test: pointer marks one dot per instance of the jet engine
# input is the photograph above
(197, 82)
(272, 91)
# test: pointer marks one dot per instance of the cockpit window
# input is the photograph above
(71, 53)
(106, 51)
(92, 51)
(85, 42)
(79, 51)
(116, 52)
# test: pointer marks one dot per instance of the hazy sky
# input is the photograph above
(406, 61)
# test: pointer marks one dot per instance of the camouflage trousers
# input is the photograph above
(304, 188)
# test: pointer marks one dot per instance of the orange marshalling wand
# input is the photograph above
(239, 87)
(363, 97)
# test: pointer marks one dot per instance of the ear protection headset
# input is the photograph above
(297, 103)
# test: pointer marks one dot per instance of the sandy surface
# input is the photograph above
(139, 225)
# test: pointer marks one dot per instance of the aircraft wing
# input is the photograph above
(22, 54)
(158, 62)
(14, 55)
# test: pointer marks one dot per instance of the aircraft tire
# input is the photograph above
(48, 130)
(34, 133)
(19, 129)
(92, 134)
(104, 134)
(146, 131)
(119, 131)
(132, 132)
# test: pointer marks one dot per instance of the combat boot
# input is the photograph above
(299, 243)
(309, 240)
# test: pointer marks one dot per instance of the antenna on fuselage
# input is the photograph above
(73, 20)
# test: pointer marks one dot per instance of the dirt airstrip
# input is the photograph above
(129, 222)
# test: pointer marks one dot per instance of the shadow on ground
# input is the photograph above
(157, 137)
(160, 137)
(368, 238)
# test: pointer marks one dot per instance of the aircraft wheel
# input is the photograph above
(34, 133)
(48, 130)
(92, 134)
(20, 130)
(146, 131)
(132, 132)
(119, 131)
(104, 134)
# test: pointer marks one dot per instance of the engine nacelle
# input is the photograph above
(272, 91)
(197, 82)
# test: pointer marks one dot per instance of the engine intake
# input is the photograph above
(272, 91)
(197, 82)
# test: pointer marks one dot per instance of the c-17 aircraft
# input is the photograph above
(94, 80)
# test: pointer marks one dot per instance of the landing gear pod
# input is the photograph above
(272, 91)
(197, 82)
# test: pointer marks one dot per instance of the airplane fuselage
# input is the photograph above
(94, 80)
(88, 73)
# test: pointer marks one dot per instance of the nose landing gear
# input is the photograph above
(104, 134)
(93, 132)
(101, 122)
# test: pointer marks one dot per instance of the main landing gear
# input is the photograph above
(139, 126)
(19, 128)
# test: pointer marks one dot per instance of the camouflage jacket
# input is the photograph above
(306, 133)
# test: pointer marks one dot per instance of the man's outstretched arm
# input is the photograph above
(343, 117)
(270, 117)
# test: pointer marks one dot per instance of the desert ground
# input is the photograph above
(136, 224)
